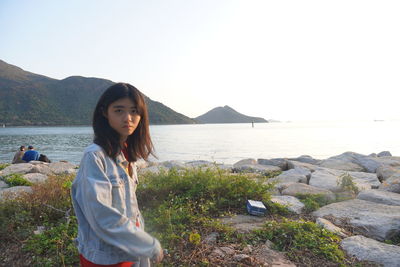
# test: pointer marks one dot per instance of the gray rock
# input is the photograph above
(389, 161)
(240, 257)
(370, 164)
(271, 257)
(244, 223)
(199, 163)
(306, 159)
(211, 238)
(61, 167)
(244, 162)
(228, 250)
(141, 164)
(278, 162)
(298, 188)
(173, 164)
(329, 179)
(298, 175)
(3, 184)
(392, 184)
(380, 196)
(331, 227)
(258, 168)
(384, 172)
(35, 177)
(292, 203)
(41, 168)
(13, 192)
(297, 164)
(346, 161)
(384, 154)
(371, 250)
(217, 253)
(21, 168)
(374, 220)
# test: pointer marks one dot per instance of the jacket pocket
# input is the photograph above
(118, 194)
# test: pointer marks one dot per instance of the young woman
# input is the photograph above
(110, 226)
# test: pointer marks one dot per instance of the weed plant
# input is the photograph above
(301, 237)
(180, 207)
(346, 183)
(178, 203)
(16, 179)
(312, 202)
(4, 165)
(50, 206)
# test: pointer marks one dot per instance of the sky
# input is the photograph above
(283, 60)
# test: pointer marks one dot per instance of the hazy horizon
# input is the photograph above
(281, 60)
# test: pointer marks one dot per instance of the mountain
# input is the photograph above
(226, 114)
(30, 99)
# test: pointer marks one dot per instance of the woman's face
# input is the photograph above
(123, 117)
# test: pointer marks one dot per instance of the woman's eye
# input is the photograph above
(118, 110)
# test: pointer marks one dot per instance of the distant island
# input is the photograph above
(29, 99)
(226, 114)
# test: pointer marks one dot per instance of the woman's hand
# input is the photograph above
(158, 257)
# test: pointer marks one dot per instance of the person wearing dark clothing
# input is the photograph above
(18, 156)
(44, 158)
(30, 155)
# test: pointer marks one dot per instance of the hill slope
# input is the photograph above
(31, 99)
(226, 114)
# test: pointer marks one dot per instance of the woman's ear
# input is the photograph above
(104, 112)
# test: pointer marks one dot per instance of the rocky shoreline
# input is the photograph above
(368, 203)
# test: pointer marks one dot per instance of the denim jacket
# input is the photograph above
(104, 199)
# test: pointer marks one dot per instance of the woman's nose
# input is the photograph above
(127, 116)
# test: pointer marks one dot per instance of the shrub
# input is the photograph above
(346, 183)
(54, 247)
(16, 179)
(299, 237)
(312, 202)
(181, 207)
(4, 165)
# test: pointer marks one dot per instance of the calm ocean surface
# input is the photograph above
(223, 143)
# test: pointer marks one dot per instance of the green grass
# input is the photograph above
(16, 179)
(180, 208)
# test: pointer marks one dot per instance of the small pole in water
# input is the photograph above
(252, 124)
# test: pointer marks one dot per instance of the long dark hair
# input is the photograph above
(139, 143)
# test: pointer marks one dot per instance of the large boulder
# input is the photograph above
(297, 164)
(21, 168)
(294, 189)
(278, 162)
(271, 257)
(297, 175)
(35, 177)
(380, 196)
(62, 167)
(384, 172)
(306, 159)
(244, 162)
(392, 184)
(374, 220)
(258, 168)
(3, 184)
(384, 154)
(291, 203)
(330, 179)
(13, 192)
(367, 249)
(346, 161)
(327, 225)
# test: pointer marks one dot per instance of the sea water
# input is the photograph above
(222, 143)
